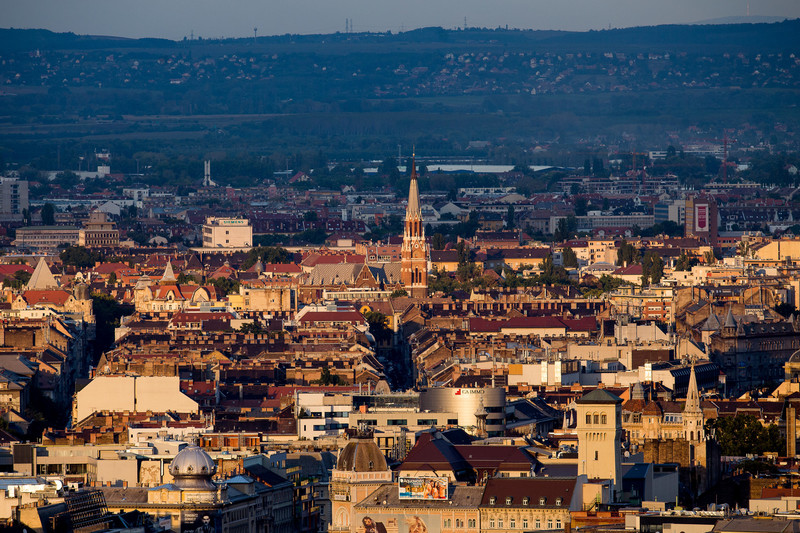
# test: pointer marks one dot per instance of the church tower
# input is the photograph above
(692, 413)
(414, 254)
(599, 436)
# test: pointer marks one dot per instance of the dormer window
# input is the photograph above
(542, 500)
(492, 500)
(509, 499)
(558, 501)
(525, 500)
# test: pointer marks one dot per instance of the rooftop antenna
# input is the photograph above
(255, 34)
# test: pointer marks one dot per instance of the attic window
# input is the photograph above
(525, 500)
(509, 499)
(542, 500)
(371, 465)
(558, 501)
(492, 500)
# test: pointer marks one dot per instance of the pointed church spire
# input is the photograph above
(692, 394)
(413, 210)
(730, 321)
(169, 274)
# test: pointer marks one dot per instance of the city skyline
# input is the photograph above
(176, 19)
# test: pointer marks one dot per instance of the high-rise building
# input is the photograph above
(701, 219)
(414, 253)
(13, 198)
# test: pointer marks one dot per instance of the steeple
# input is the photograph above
(693, 420)
(414, 253)
(169, 274)
(692, 394)
(413, 210)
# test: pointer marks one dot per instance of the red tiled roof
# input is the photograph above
(55, 297)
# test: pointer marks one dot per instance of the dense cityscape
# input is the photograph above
(212, 321)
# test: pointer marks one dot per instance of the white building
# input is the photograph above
(227, 233)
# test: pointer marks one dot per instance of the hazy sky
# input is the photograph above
(175, 19)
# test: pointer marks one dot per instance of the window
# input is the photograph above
(509, 499)
(512, 523)
(542, 500)
(550, 523)
(525, 500)
(596, 455)
(492, 500)
(538, 524)
(524, 523)
(500, 523)
(491, 523)
(397, 422)
(558, 523)
(558, 501)
(588, 418)
(596, 419)
(603, 419)
(446, 522)
(459, 523)
(471, 522)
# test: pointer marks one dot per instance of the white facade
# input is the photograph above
(133, 394)
(227, 233)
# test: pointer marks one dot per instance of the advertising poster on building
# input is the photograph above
(391, 523)
(423, 488)
(201, 522)
(701, 217)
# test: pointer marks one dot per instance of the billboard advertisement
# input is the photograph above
(701, 217)
(397, 523)
(423, 488)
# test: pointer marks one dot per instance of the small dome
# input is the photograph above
(362, 455)
(795, 358)
(193, 467)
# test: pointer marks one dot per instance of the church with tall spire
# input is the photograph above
(414, 253)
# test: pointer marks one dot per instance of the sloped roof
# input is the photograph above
(599, 396)
(42, 278)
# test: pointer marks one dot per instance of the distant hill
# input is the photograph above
(730, 34)
(753, 19)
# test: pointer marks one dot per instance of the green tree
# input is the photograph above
(581, 206)
(225, 286)
(379, 326)
(652, 268)
(79, 256)
(48, 214)
(744, 434)
(627, 254)
(397, 293)
(17, 280)
(565, 228)
(112, 279)
(310, 216)
(107, 313)
(685, 262)
(438, 241)
(568, 258)
(185, 279)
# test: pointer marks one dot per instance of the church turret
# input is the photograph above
(692, 412)
(414, 253)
